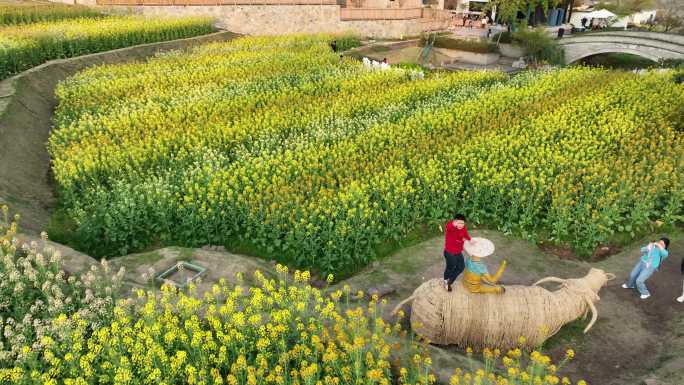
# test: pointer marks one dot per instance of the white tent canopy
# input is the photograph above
(600, 14)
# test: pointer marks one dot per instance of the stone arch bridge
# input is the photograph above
(650, 45)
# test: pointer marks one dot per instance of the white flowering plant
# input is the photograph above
(34, 289)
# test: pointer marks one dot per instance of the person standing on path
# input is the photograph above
(455, 235)
(681, 299)
(652, 256)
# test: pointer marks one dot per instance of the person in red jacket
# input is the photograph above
(454, 237)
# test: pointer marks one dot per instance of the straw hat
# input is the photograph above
(479, 247)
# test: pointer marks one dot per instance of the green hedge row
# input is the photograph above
(476, 46)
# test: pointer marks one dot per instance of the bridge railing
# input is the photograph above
(666, 37)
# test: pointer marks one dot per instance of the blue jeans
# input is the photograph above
(639, 275)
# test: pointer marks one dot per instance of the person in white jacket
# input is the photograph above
(652, 255)
(366, 62)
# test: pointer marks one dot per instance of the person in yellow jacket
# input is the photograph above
(476, 277)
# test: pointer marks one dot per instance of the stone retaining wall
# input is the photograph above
(511, 50)
(469, 57)
(283, 19)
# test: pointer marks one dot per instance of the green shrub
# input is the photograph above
(409, 66)
(539, 46)
(673, 63)
(503, 38)
(347, 42)
(678, 76)
(477, 46)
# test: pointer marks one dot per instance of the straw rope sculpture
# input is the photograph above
(481, 320)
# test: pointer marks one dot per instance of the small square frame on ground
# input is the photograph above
(165, 277)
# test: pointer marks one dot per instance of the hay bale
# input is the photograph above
(498, 320)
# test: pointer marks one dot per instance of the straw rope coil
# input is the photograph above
(490, 320)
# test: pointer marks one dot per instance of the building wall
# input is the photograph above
(370, 3)
(384, 3)
(258, 19)
(282, 19)
(393, 28)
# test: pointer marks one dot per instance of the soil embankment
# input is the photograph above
(27, 102)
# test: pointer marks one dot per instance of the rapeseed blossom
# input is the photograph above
(279, 331)
(27, 45)
(519, 368)
(277, 143)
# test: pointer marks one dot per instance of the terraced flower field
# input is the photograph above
(27, 45)
(279, 144)
(12, 13)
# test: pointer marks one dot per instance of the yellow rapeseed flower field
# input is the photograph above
(278, 144)
(32, 12)
(27, 45)
(281, 331)
(80, 329)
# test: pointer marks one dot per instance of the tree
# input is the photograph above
(625, 7)
(539, 46)
(670, 15)
(507, 10)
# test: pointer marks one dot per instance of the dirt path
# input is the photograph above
(634, 340)
(641, 339)
(27, 102)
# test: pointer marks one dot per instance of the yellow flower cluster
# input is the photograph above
(209, 127)
(277, 332)
(279, 144)
(25, 46)
(31, 12)
(516, 367)
(8, 229)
